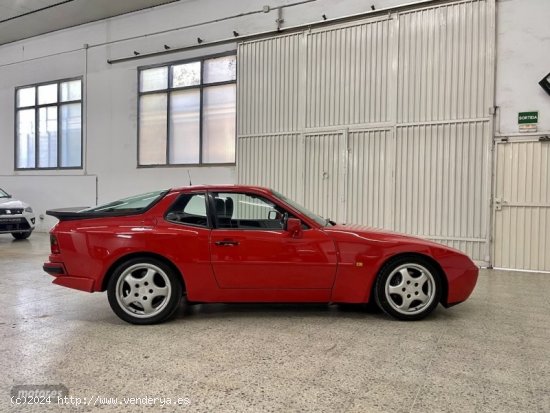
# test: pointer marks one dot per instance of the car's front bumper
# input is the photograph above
(17, 223)
(461, 283)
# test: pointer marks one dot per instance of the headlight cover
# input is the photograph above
(28, 209)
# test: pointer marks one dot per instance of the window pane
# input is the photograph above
(196, 206)
(71, 90)
(189, 209)
(188, 74)
(25, 97)
(47, 94)
(185, 126)
(247, 207)
(47, 137)
(152, 129)
(70, 133)
(219, 124)
(154, 79)
(25, 139)
(220, 69)
(132, 203)
(238, 210)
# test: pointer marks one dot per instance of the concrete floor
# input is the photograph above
(489, 354)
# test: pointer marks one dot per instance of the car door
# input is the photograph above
(250, 250)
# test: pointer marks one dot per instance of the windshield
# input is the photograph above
(311, 215)
(3, 194)
(134, 203)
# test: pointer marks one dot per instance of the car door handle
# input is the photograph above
(227, 243)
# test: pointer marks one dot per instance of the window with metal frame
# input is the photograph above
(187, 112)
(48, 125)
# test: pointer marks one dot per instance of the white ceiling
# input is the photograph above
(13, 8)
(20, 19)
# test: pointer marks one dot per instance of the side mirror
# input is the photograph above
(9, 195)
(294, 227)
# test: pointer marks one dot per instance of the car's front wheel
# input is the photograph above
(144, 291)
(408, 288)
(21, 235)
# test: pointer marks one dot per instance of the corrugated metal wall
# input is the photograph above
(388, 118)
(268, 81)
(370, 185)
(442, 183)
(522, 205)
(274, 161)
(325, 170)
(445, 62)
(348, 75)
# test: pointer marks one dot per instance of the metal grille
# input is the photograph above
(11, 211)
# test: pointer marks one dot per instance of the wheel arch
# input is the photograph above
(431, 260)
(110, 271)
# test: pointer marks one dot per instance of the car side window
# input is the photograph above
(247, 211)
(189, 209)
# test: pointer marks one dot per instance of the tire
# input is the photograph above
(21, 235)
(144, 291)
(408, 288)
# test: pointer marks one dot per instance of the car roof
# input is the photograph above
(223, 187)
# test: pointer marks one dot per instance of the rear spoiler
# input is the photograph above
(76, 213)
(67, 214)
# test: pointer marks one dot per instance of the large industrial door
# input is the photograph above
(522, 205)
(384, 121)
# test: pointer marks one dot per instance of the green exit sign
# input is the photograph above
(528, 117)
(527, 121)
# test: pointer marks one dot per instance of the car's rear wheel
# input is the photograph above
(21, 235)
(408, 288)
(144, 291)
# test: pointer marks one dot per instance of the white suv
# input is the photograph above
(16, 217)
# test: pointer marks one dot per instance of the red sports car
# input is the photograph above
(245, 244)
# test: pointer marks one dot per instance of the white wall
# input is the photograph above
(110, 105)
(523, 59)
